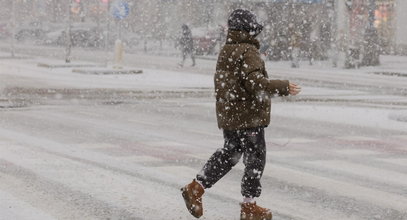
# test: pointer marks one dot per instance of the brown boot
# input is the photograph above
(251, 211)
(192, 194)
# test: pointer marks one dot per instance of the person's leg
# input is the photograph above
(184, 56)
(222, 161)
(193, 58)
(254, 158)
(217, 166)
(295, 57)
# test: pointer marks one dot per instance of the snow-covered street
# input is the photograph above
(75, 146)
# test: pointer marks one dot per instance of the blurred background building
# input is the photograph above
(316, 26)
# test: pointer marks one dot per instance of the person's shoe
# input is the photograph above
(192, 194)
(251, 211)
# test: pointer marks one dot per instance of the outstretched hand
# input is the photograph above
(294, 89)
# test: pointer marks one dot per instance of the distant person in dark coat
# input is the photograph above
(187, 45)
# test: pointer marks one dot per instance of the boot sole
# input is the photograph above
(245, 217)
(188, 203)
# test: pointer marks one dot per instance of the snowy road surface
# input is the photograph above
(77, 146)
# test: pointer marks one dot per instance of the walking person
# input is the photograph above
(187, 45)
(243, 106)
(295, 44)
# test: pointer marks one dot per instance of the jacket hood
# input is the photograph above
(244, 20)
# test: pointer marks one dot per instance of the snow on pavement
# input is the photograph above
(99, 159)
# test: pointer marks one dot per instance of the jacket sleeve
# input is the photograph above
(255, 80)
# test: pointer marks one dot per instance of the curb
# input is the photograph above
(398, 117)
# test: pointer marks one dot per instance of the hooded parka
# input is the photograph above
(242, 86)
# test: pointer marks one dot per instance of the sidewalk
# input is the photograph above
(320, 83)
(392, 66)
(26, 73)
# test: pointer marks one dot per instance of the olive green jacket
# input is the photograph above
(242, 87)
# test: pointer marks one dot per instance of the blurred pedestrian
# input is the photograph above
(243, 107)
(187, 45)
(295, 44)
